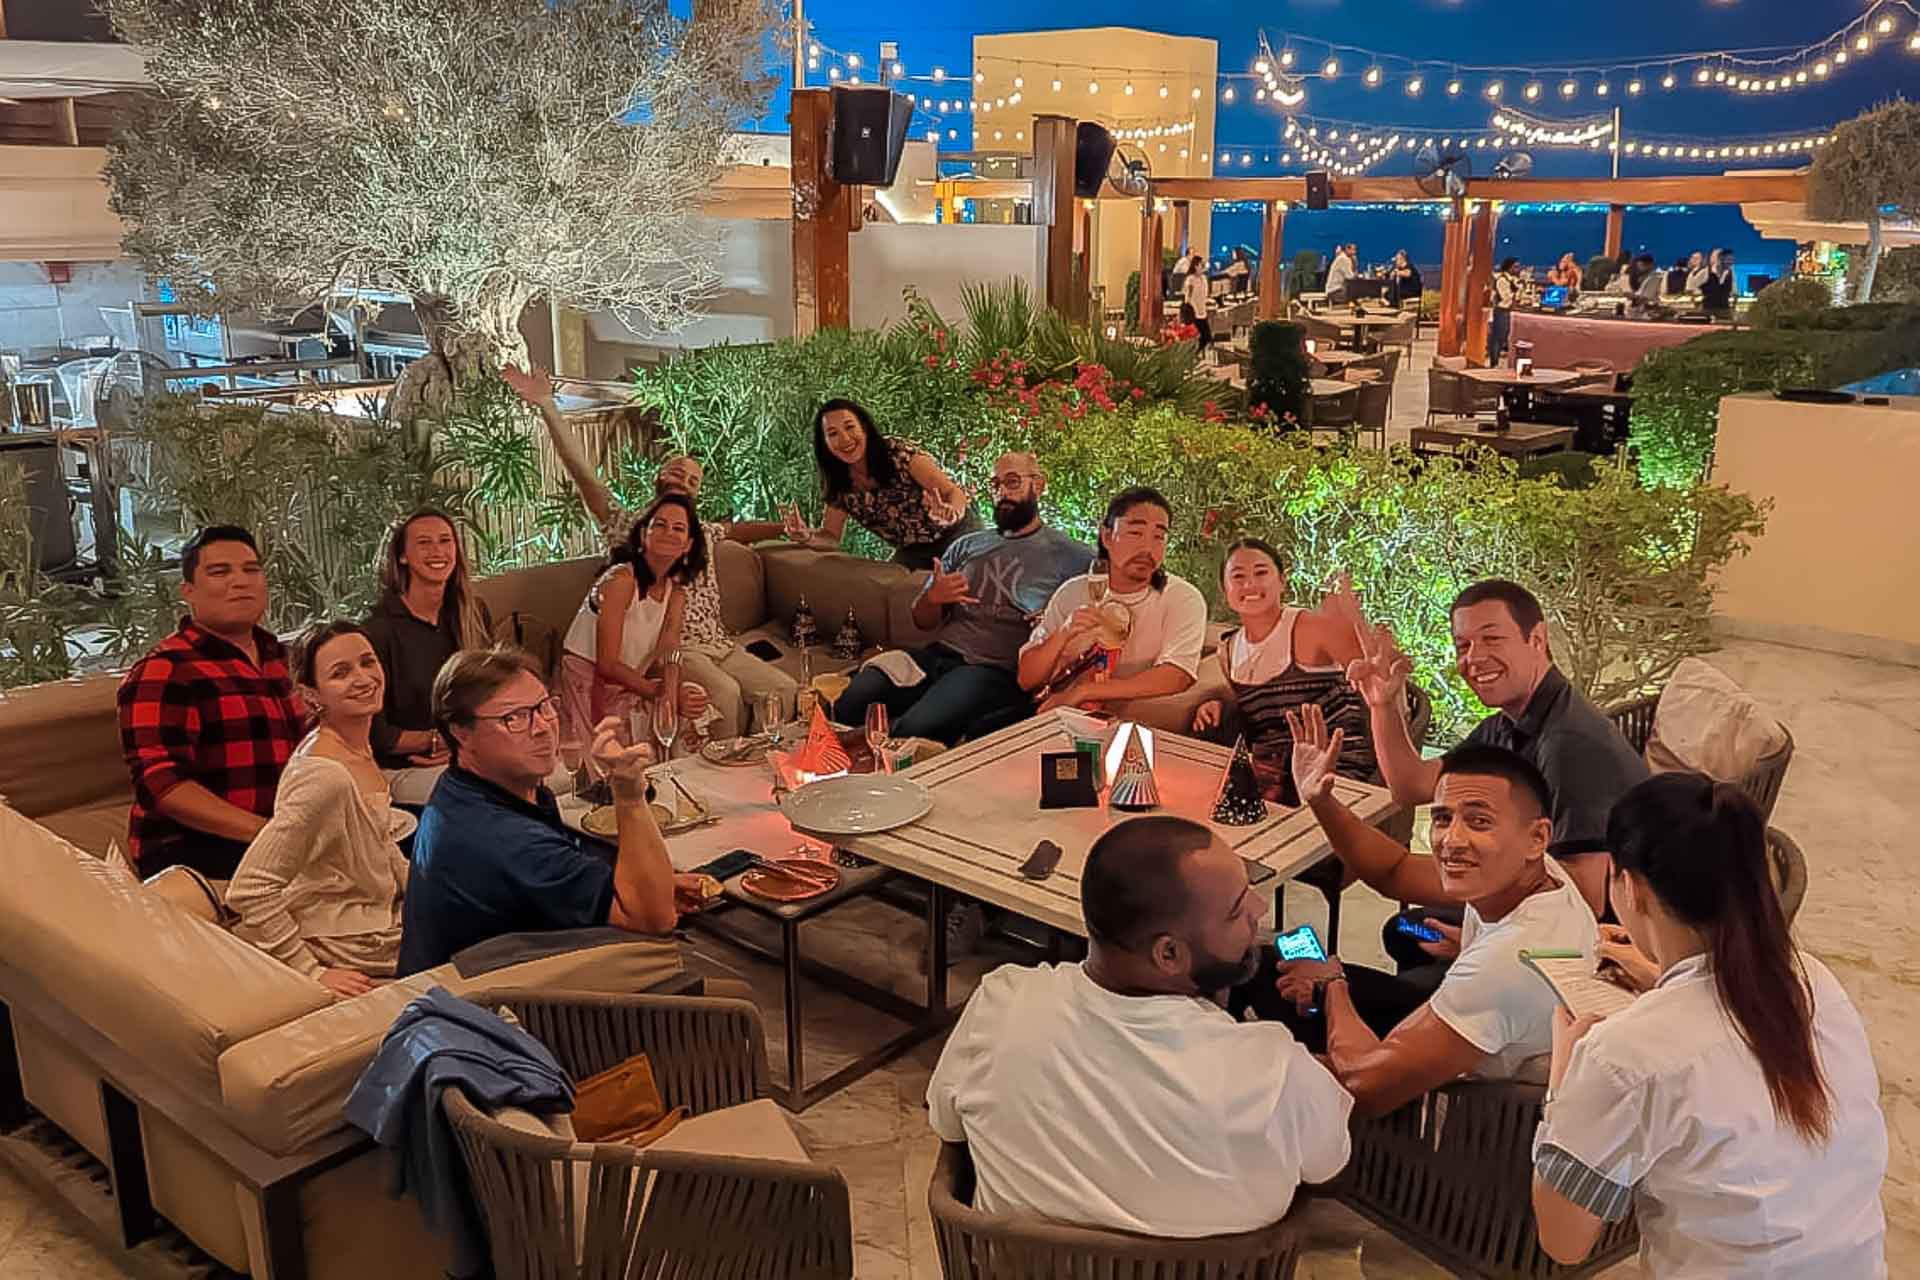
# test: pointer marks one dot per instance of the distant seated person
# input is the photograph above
(1127, 630)
(892, 487)
(1403, 279)
(1116, 1093)
(1340, 273)
(208, 718)
(1385, 1039)
(1239, 271)
(428, 612)
(1684, 271)
(320, 888)
(622, 649)
(1734, 1105)
(1502, 650)
(982, 595)
(492, 856)
(1566, 273)
(1717, 286)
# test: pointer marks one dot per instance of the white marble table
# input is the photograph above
(986, 819)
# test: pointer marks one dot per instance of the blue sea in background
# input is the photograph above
(1537, 234)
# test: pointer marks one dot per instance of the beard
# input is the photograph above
(1209, 973)
(1009, 515)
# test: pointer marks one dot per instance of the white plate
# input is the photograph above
(400, 824)
(857, 804)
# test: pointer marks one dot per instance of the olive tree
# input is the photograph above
(471, 155)
(1873, 162)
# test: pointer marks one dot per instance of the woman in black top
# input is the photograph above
(427, 612)
(890, 486)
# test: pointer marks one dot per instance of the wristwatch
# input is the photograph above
(1320, 989)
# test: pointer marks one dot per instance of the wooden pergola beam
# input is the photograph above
(1148, 317)
(1053, 205)
(1616, 223)
(1272, 219)
(822, 219)
(1479, 280)
(1453, 280)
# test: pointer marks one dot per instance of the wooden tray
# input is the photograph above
(814, 879)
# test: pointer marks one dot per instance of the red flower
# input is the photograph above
(933, 362)
(1139, 393)
(1207, 525)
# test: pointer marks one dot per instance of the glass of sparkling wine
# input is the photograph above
(1097, 582)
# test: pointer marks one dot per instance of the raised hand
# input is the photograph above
(625, 767)
(794, 525)
(1315, 755)
(949, 588)
(535, 386)
(1380, 673)
(944, 512)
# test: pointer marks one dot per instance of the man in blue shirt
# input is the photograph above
(984, 595)
(491, 856)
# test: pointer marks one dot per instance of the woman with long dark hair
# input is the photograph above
(320, 887)
(1735, 1104)
(622, 650)
(428, 611)
(890, 486)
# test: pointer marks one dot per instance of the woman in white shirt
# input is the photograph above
(319, 888)
(1735, 1105)
(622, 651)
(1194, 291)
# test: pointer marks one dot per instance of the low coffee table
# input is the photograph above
(986, 819)
(1520, 440)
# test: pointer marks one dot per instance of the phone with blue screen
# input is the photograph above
(1300, 944)
(1416, 929)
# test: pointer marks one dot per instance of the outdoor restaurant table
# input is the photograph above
(1327, 388)
(741, 802)
(986, 819)
(1504, 376)
(1363, 324)
(1621, 343)
(1519, 440)
(1335, 358)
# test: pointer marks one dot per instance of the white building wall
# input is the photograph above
(937, 260)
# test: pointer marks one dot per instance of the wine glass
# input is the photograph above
(1097, 582)
(666, 722)
(878, 735)
(772, 709)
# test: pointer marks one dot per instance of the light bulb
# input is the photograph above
(1245, 159)
(999, 102)
(1719, 77)
(853, 79)
(1183, 153)
(1196, 93)
(1093, 86)
(1819, 69)
(1413, 85)
(1840, 58)
(1568, 89)
(1700, 76)
(1260, 67)
(1453, 88)
(813, 64)
(1228, 95)
(1913, 42)
(997, 135)
(1019, 82)
(1019, 135)
(1015, 99)
(1603, 88)
(1666, 81)
(1331, 69)
(1493, 90)
(1128, 90)
(979, 77)
(1286, 57)
(1372, 77)
(1204, 157)
(1883, 26)
(933, 135)
(1056, 86)
(833, 73)
(1163, 91)
(1633, 88)
(899, 70)
(1862, 44)
(952, 134)
(853, 61)
(939, 75)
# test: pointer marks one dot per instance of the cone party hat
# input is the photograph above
(1133, 782)
(1238, 803)
(822, 753)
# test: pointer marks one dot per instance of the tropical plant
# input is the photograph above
(471, 154)
(1785, 301)
(1866, 167)
(1896, 280)
(1278, 381)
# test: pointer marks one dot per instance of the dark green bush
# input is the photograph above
(1784, 303)
(1278, 377)
(1304, 276)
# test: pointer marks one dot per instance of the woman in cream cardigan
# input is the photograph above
(320, 887)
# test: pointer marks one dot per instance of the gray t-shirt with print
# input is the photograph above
(1013, 578)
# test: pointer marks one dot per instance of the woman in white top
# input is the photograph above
(623, 649)
(1195, 292)
(320, 886)
(1735, 1105)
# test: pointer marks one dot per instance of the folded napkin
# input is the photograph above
(898, 667)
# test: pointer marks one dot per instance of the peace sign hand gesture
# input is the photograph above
(1380, 673)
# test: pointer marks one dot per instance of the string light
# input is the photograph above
(1453, 88)
(1568, 89)
(1532, 91)
(1372, 77)
(1331, 68)
(1414, 85)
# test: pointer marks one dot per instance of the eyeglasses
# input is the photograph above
(1011, 481)
(520, 719)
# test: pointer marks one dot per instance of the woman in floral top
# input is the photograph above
(889, 486)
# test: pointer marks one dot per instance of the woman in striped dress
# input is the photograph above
(1282, 657)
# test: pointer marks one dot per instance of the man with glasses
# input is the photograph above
(492, 856)
(983, 595)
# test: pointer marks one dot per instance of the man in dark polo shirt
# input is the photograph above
(492, 856)
(1501, 650)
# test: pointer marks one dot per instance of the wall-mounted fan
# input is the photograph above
(1515, 164)
(1441, 173)
(1129, 171)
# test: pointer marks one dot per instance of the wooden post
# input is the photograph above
(1271, 221)
(1053, 147)
(1479, 280)
(1182, 212)
(1148, 317)
(1616, 220)
(1453, 274)
(822, 219)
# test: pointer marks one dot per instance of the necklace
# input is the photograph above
(365, 753)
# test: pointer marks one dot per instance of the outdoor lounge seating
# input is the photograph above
(1762, 783)
(1452, 394)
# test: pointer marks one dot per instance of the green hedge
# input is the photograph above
(1677, 390)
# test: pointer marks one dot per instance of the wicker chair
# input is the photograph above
(1762, 785)
(1332, 413)
(1455, 395)
(979, 1246)
(1789, 867)
(1370, 414)
(1595, 375)
(648, 1213)
(1451, 1174)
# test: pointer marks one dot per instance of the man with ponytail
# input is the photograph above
(1735, 1104)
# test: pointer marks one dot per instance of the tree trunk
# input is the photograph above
(1865, 292)
(457, 354)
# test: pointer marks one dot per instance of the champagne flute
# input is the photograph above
(1097, 582)
(878, 735)
(666, 722)
(772, 715)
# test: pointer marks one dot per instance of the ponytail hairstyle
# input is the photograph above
(1700, 847)
(460, 602)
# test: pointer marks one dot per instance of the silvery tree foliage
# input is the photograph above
(470, 154)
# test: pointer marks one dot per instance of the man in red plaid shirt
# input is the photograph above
(208, 718)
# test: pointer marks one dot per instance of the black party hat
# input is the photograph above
(1238, 803)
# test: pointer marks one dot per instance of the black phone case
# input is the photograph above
(1041, 862)
(765, 650)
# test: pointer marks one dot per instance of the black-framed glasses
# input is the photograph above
(520, 719)
(1010, 482)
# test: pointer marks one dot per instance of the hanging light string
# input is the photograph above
(1768, 69)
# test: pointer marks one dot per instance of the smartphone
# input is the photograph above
(728, 865)
(1300, 944)
(765, 650)
(1416, 929)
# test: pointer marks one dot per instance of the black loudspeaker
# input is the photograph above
(49, 514)
(1319, 188)
(869, 135)
(1092, 153)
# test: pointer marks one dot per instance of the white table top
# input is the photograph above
(741, 798)
(1333, 386)
(986, 820)
(1503, 376)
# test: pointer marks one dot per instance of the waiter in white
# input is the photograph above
(1734, 1106)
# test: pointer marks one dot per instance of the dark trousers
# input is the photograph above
(1497, 334)
(1206, 332)
(1383, 1001)
(957, 699)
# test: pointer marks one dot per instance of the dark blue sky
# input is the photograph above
(1527, 32)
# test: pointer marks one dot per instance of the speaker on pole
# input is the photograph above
(869, 135)
(1319, 188)
(1092, 152)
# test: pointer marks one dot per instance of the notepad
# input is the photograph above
(1575, 984)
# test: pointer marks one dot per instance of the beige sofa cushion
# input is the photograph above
(833, 583)
(758, 1128)
(743, 585)
(550, 592)
(1707, 723)
(173, 990)
(92, 826)
(60, 748)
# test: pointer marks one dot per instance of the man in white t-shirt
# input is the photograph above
(1169, 617)
(1491, 1016)
(1114, 1093)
